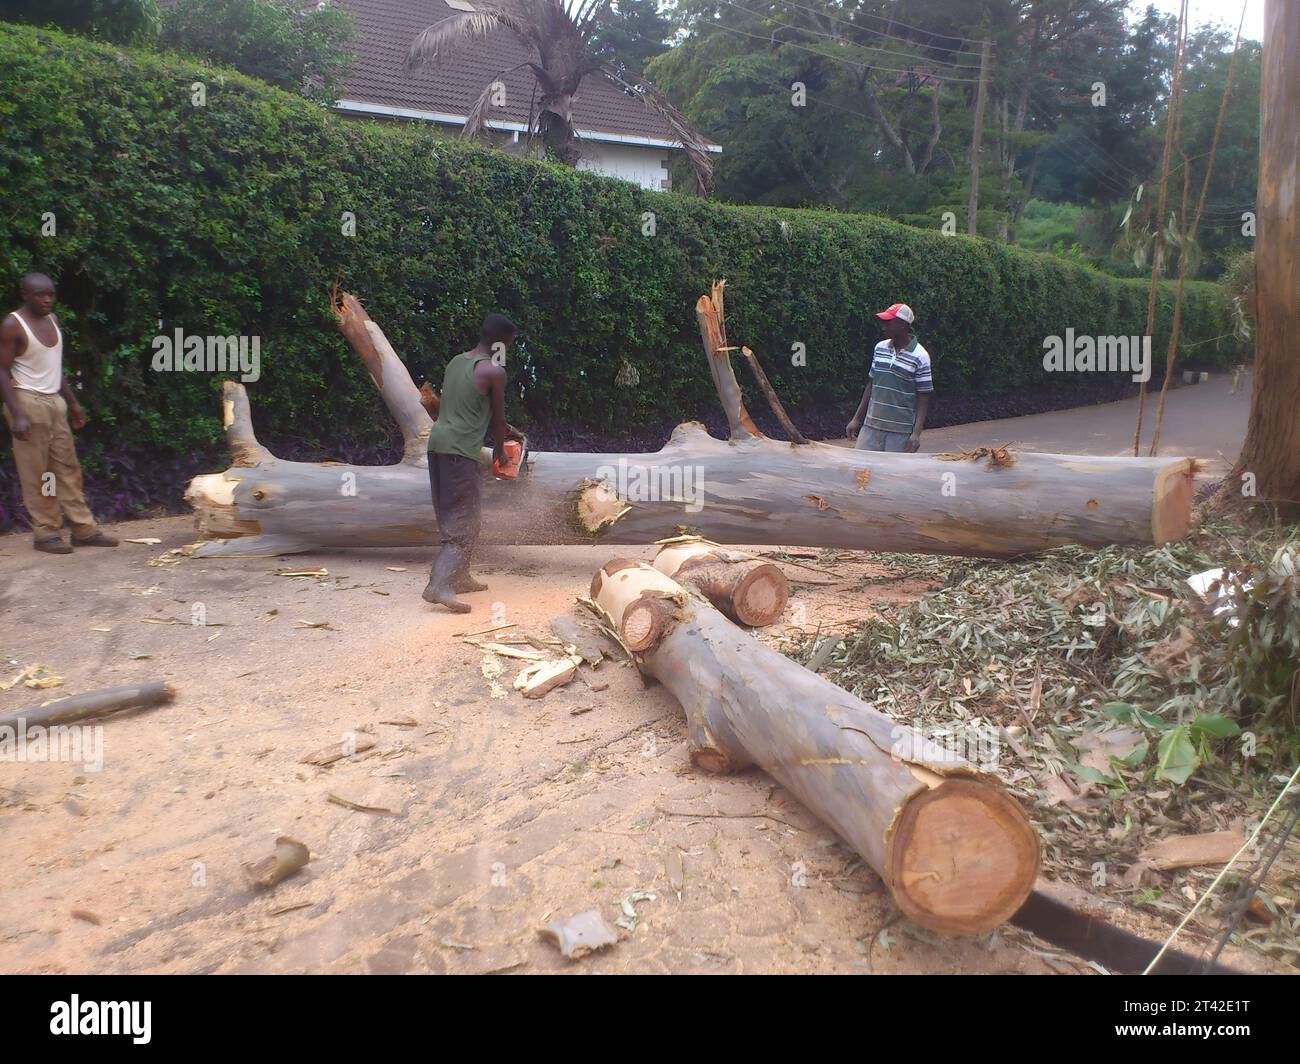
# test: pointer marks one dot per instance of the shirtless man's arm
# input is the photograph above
(12, 344)
(490, 380)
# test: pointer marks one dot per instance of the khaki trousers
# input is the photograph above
(49, 449)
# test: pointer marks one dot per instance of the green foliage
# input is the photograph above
(111, 20)
(227, 219)
(1238, 282)
(282, 42)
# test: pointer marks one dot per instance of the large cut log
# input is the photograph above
(747, 589)
(955, 850)
(748, 489)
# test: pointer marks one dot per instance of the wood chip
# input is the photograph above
(1192, 851)
(360, 808)
(327, 755)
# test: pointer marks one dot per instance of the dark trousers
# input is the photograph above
(456, 484)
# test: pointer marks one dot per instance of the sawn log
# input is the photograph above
(955, 850)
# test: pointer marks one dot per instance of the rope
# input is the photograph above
(1219, 878)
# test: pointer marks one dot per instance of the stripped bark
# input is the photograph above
(957, 853)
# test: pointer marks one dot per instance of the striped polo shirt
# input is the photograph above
(896, 379)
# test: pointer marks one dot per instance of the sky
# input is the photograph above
(1225, 12)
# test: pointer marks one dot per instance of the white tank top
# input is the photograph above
(39, 368)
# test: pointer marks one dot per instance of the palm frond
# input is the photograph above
(588, 15)
(692, 142)
(476, 120)
(437, 41)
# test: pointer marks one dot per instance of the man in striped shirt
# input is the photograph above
(897, 396)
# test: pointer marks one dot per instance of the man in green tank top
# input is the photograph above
(473, 394)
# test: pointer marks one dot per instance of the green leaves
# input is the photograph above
(1176, 757)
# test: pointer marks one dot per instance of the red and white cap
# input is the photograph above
(898, 310)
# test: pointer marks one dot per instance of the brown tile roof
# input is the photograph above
(385, 29)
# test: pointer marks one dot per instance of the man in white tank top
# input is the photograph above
(37, 403)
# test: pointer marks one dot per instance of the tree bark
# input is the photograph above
(749, 489)
(1272, 448)
(957, 853)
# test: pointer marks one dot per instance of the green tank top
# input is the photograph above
(463, 413)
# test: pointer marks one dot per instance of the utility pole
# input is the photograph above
(972, 208)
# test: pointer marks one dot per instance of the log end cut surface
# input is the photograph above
(963, 858)
(1171, 504)
(761, 596)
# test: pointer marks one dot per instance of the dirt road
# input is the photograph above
(505, 812)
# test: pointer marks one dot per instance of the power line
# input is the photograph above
(918, 29)
(839, 40)
(881, 33)
(832, 58)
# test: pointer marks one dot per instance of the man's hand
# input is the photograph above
(21, 427)
(429, 400)
(499, 454)
(77, 416)
(852, 428)
(912, 444)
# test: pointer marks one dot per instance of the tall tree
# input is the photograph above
(1271, 455)
(631, 34)
(563, 41)
(123, 21)
(302, 48)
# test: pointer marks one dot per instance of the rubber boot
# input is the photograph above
(465, 583)
(440, 589)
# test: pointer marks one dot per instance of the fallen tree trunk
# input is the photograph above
(956, 852)
(748, 590)
(749, 489)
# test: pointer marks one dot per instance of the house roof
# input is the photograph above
(446, 90)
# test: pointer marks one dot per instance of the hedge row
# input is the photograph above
(229, 219)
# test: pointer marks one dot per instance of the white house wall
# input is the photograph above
(637, 163)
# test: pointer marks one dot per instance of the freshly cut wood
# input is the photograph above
(748, 489)
(957, 853)
(542, 678)
(584, 641)
(289, 857)
(92, 704)
(1192, 851)
(749, 590)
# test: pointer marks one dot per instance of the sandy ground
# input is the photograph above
(508, 812)
(504, 812)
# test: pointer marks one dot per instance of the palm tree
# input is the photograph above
(561, 44)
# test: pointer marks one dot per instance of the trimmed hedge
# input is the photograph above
(227, 219)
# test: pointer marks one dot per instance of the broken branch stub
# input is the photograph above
(955, 850)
